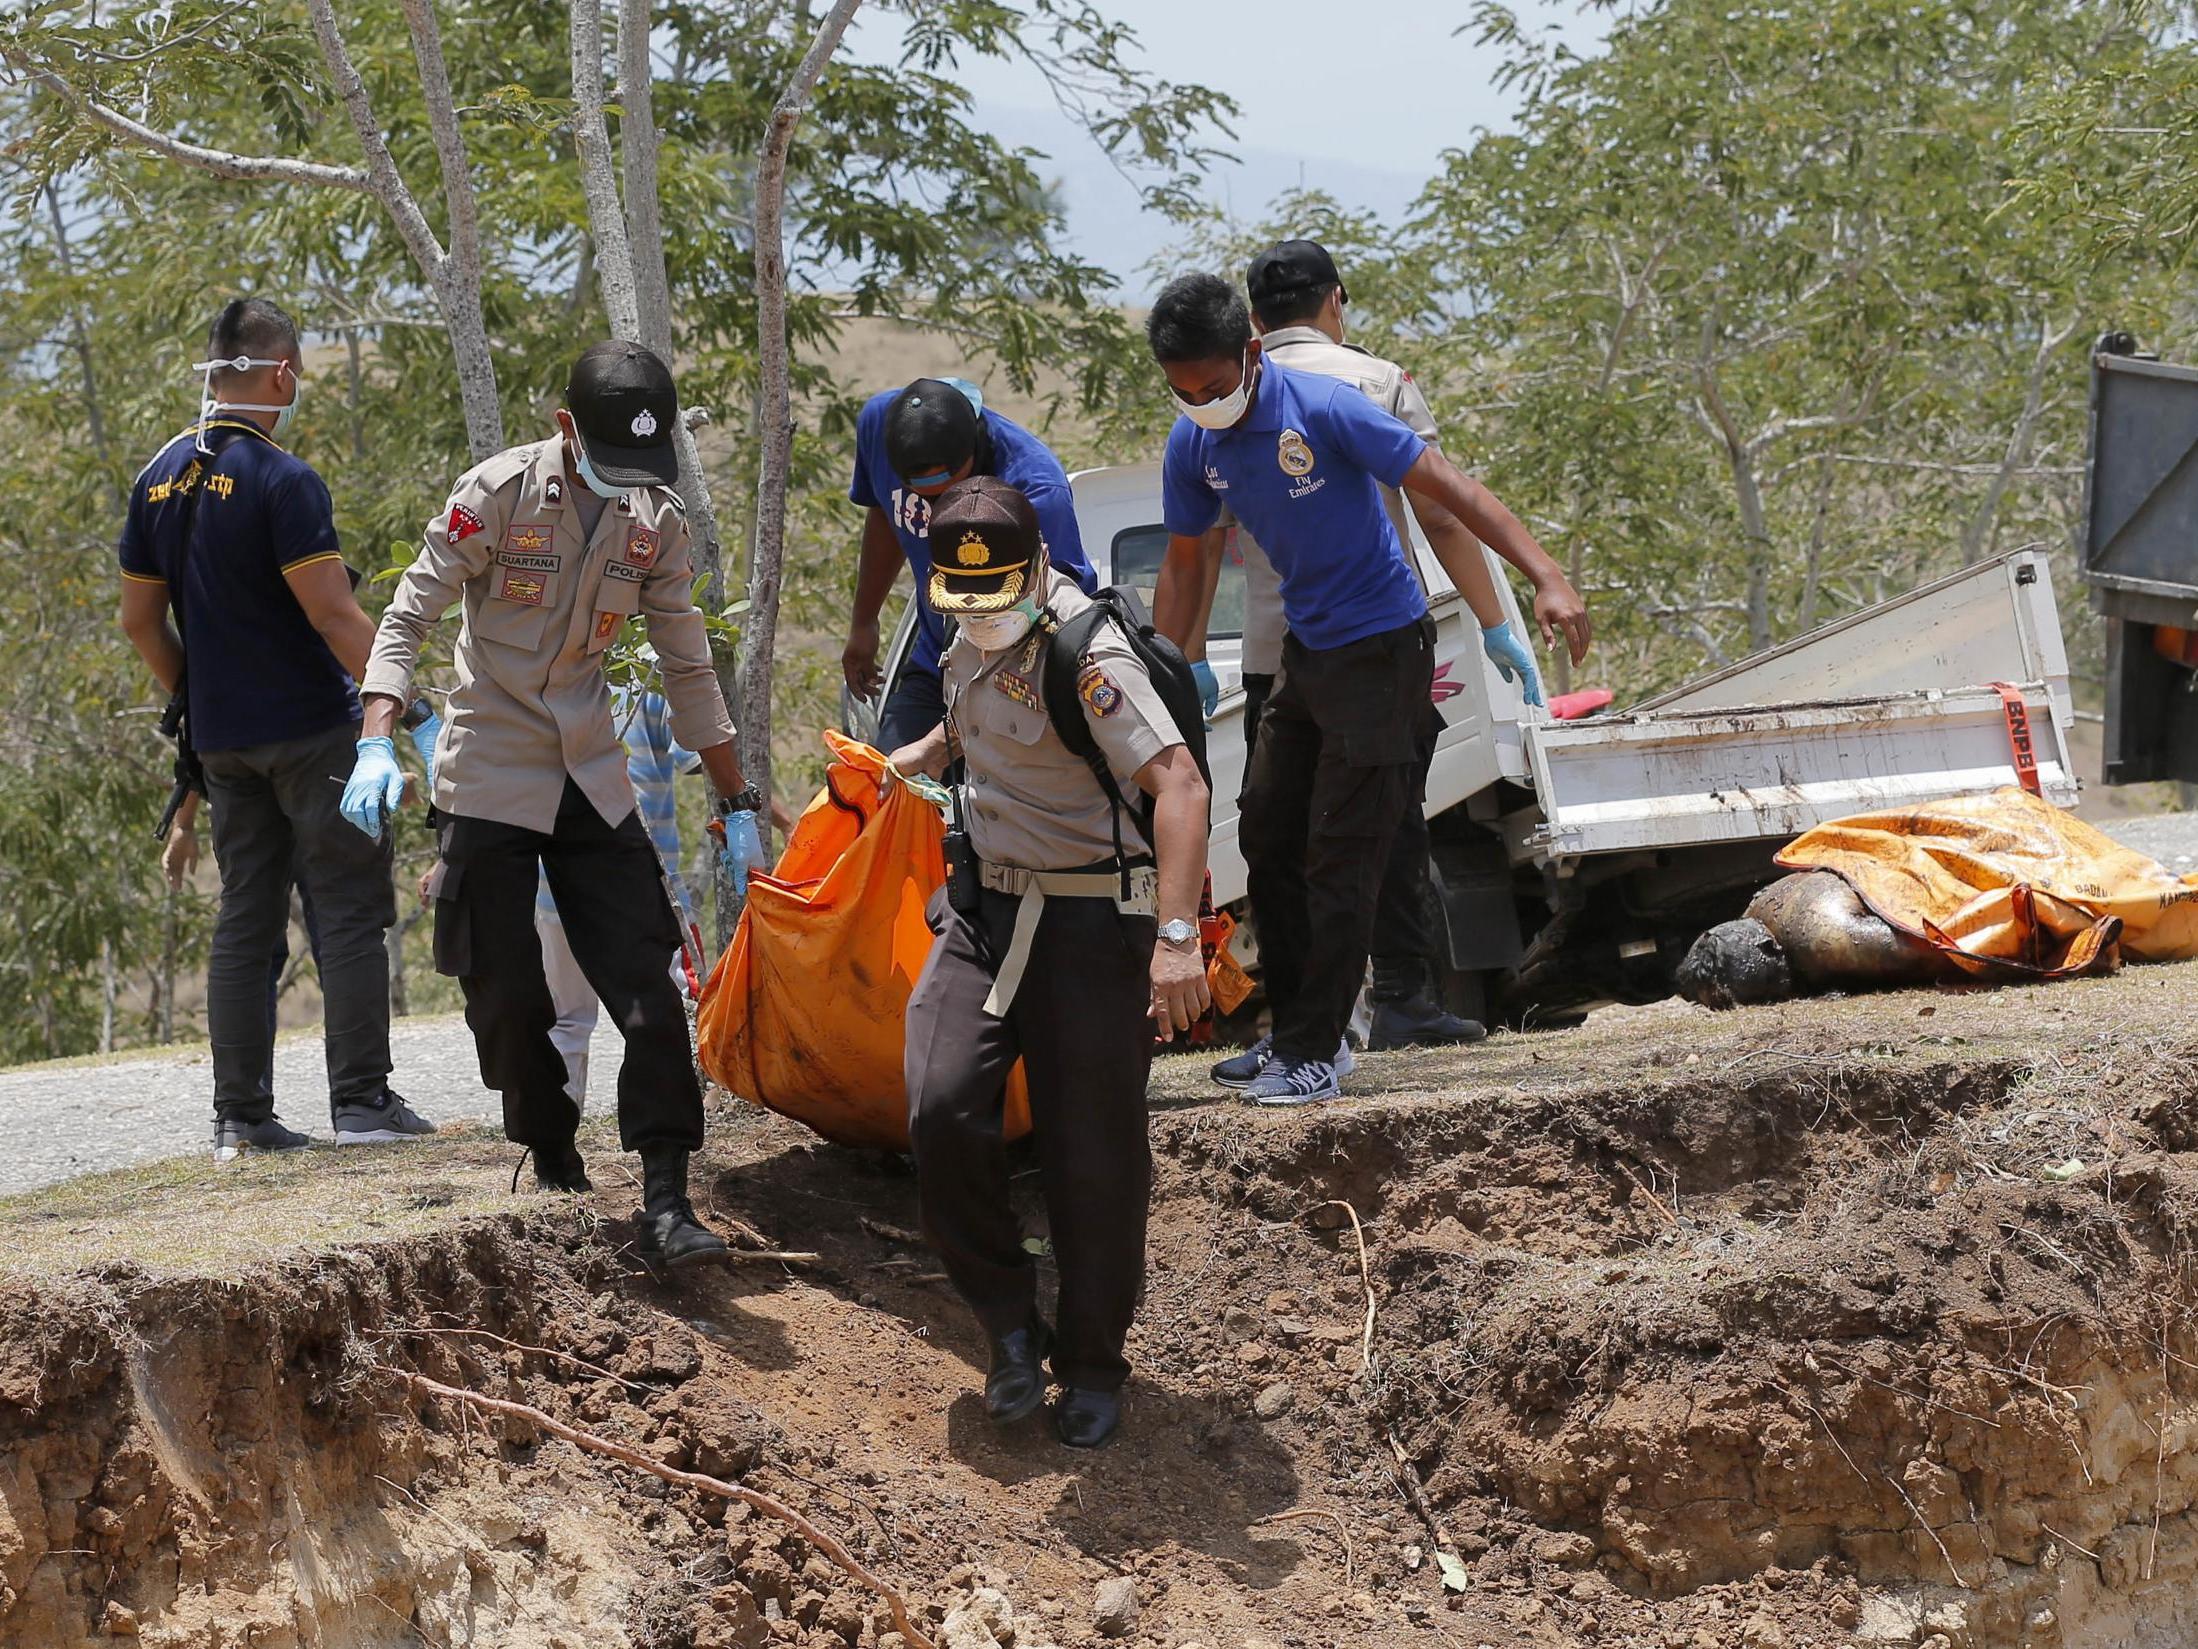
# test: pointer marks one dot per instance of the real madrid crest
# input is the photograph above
(972, 551)
(1291, 452)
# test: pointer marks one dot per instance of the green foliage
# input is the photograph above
(2109, 156)
(112, 261)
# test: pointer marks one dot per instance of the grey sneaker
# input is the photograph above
(232, 1138)
(1295, 1083)
(1242, 1070)
(389, 1118)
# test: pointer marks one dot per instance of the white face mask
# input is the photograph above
(1226, 411)
(588, 477)
(209, 403)
(997, 632)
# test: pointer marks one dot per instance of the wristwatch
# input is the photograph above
(749, 800)
(1178, 932)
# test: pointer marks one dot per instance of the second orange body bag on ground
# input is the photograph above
(806, 1011)
(2008, 886)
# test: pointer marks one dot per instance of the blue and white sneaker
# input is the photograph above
(1302, 1083)
(1244, 1069)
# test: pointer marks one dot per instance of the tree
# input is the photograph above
(229, 176)
(1740, 316)
(774, 393)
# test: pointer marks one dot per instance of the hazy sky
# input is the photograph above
(1355, 97)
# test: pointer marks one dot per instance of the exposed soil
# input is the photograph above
(1845, 1321)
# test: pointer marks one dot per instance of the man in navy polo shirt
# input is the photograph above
(1300, 459)
(236, 537)
(910, 446)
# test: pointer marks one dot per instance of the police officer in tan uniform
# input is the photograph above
(551, 547)
(1061, 955)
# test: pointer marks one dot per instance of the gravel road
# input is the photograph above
(75, 1119)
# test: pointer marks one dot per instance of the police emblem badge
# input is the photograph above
(972, 550)
(462, 525)
(1098, 691)
(641, 547)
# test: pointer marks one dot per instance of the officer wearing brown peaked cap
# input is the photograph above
(1057, 948)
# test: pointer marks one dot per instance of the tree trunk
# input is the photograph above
(637, 143)
(164, 987)
(1755, 528)
(400, 1000)
(108, 990)
(457, 275)
(766, 563)
(1979, 531)
(598, 177)
(95, 421)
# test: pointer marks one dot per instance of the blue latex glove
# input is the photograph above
(1512, 660)
(423, 740)
(743, 849)
(1209, 686)
(376, 787)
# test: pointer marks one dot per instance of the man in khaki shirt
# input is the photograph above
(550, 548)
(1074, 935)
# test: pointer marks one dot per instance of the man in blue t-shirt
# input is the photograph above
(911, 445)
(1300, 459)
(235, 538)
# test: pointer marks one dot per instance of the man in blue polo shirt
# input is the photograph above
(911, 445)
(236, 537)
(1300, 459)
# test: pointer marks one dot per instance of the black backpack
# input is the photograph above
(1171, 679)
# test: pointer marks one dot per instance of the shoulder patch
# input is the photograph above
(1098, 691)
(463, 523)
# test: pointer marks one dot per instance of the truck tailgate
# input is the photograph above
(1680, 778)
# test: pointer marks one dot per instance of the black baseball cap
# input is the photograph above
(931, 429)
(621, 397)
(985, 547)
(1290, 267)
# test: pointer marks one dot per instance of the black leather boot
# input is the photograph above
(1016, 1383)
(1087, 1419)
(1406, 1014)
(670, 1233)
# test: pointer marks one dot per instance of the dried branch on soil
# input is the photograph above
(1917, 1511)
(580, 1363)
(1366, 1280)
(1408, 1479)
(1653, 1200)
(889, 1233)
(768, 1505)
(1343, 1531)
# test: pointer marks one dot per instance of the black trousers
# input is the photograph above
(1404, 918)
(274, 817)
(610, 893)
(915, 706)
(1336, 767)
(1078, 1023)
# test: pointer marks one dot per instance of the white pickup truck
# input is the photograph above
(1576, 861)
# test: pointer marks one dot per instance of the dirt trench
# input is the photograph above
(1687, 1334)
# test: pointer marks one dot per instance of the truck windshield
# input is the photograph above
(1137, 555)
